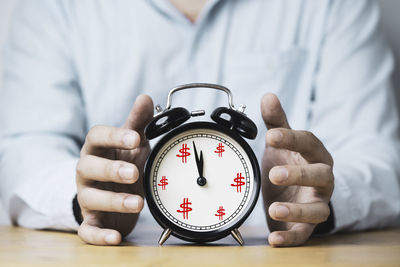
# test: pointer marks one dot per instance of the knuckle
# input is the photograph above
(83, 149)
(312, 139)
(310, 135)
(81, 232)
(292, 139)
(327, 172)
(111, 135)
(325, 168)
(330, 159)
(80, 168)
(316, 142)
(298, 157)
(111, 169)
(325, 213)
(81, 165)
(330, 180)
(116, 136)
(299, 212)
(91, 135)
(117, 203)
(303, 174)
(84, 197)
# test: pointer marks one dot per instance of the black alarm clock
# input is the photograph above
(201, 179)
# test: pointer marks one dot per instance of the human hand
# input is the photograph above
(297, 178)
(109, 177)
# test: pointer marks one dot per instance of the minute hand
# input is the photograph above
(199, 161)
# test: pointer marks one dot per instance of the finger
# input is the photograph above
(101, 200)
(101, 136)
(304, 142)
(296, 236)
(140, 115)
(316, 212)
(104, 170)
(317, 174)
(97, 236)
(272, 112)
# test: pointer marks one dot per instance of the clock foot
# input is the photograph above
(164, 236)
(237, 236)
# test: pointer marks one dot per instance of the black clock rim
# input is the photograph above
(188, 235)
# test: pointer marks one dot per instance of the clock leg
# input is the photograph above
(164, 236)
(237, 236)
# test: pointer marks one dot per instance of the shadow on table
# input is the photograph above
(150, 237)
(373, 237)
(258, 237)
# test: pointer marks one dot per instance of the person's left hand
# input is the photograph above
(297, 178)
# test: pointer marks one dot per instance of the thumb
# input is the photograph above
(272, 112)
(140, 115)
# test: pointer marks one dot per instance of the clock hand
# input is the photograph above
(199, 163)
(201, 169)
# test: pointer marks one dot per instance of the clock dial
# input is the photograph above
(202, 180)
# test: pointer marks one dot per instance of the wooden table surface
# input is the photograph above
(20, 246)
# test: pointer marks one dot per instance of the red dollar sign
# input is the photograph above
(220, 213)
(163, 182)
(239, 182)
(184, 153)
(185, 208)
(220, 149)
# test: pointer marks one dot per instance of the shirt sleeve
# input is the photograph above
(42, 119)
(354, 113)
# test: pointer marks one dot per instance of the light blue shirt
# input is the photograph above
(69, 65)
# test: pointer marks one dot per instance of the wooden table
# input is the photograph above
(20, 246)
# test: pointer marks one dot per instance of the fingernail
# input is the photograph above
(276, 239)
(276, 135)
(129, 140)
(131, 203)
(279, 174)
(126, 172)
(281, 211)
(111, 239)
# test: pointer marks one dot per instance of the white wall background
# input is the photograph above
(390, 22)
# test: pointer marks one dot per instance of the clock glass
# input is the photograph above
(202, 179)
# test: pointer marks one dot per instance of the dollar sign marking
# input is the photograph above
(239, 182)
(220, 149)
(184, 153)
(185, 208)
(163, 182)
(220, 213)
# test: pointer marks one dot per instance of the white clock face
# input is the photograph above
(226, 169)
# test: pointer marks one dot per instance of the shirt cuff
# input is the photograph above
(343, 203)
(49, 205)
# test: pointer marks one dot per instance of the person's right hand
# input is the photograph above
(109, 177)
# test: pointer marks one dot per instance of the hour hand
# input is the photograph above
(199, 163)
